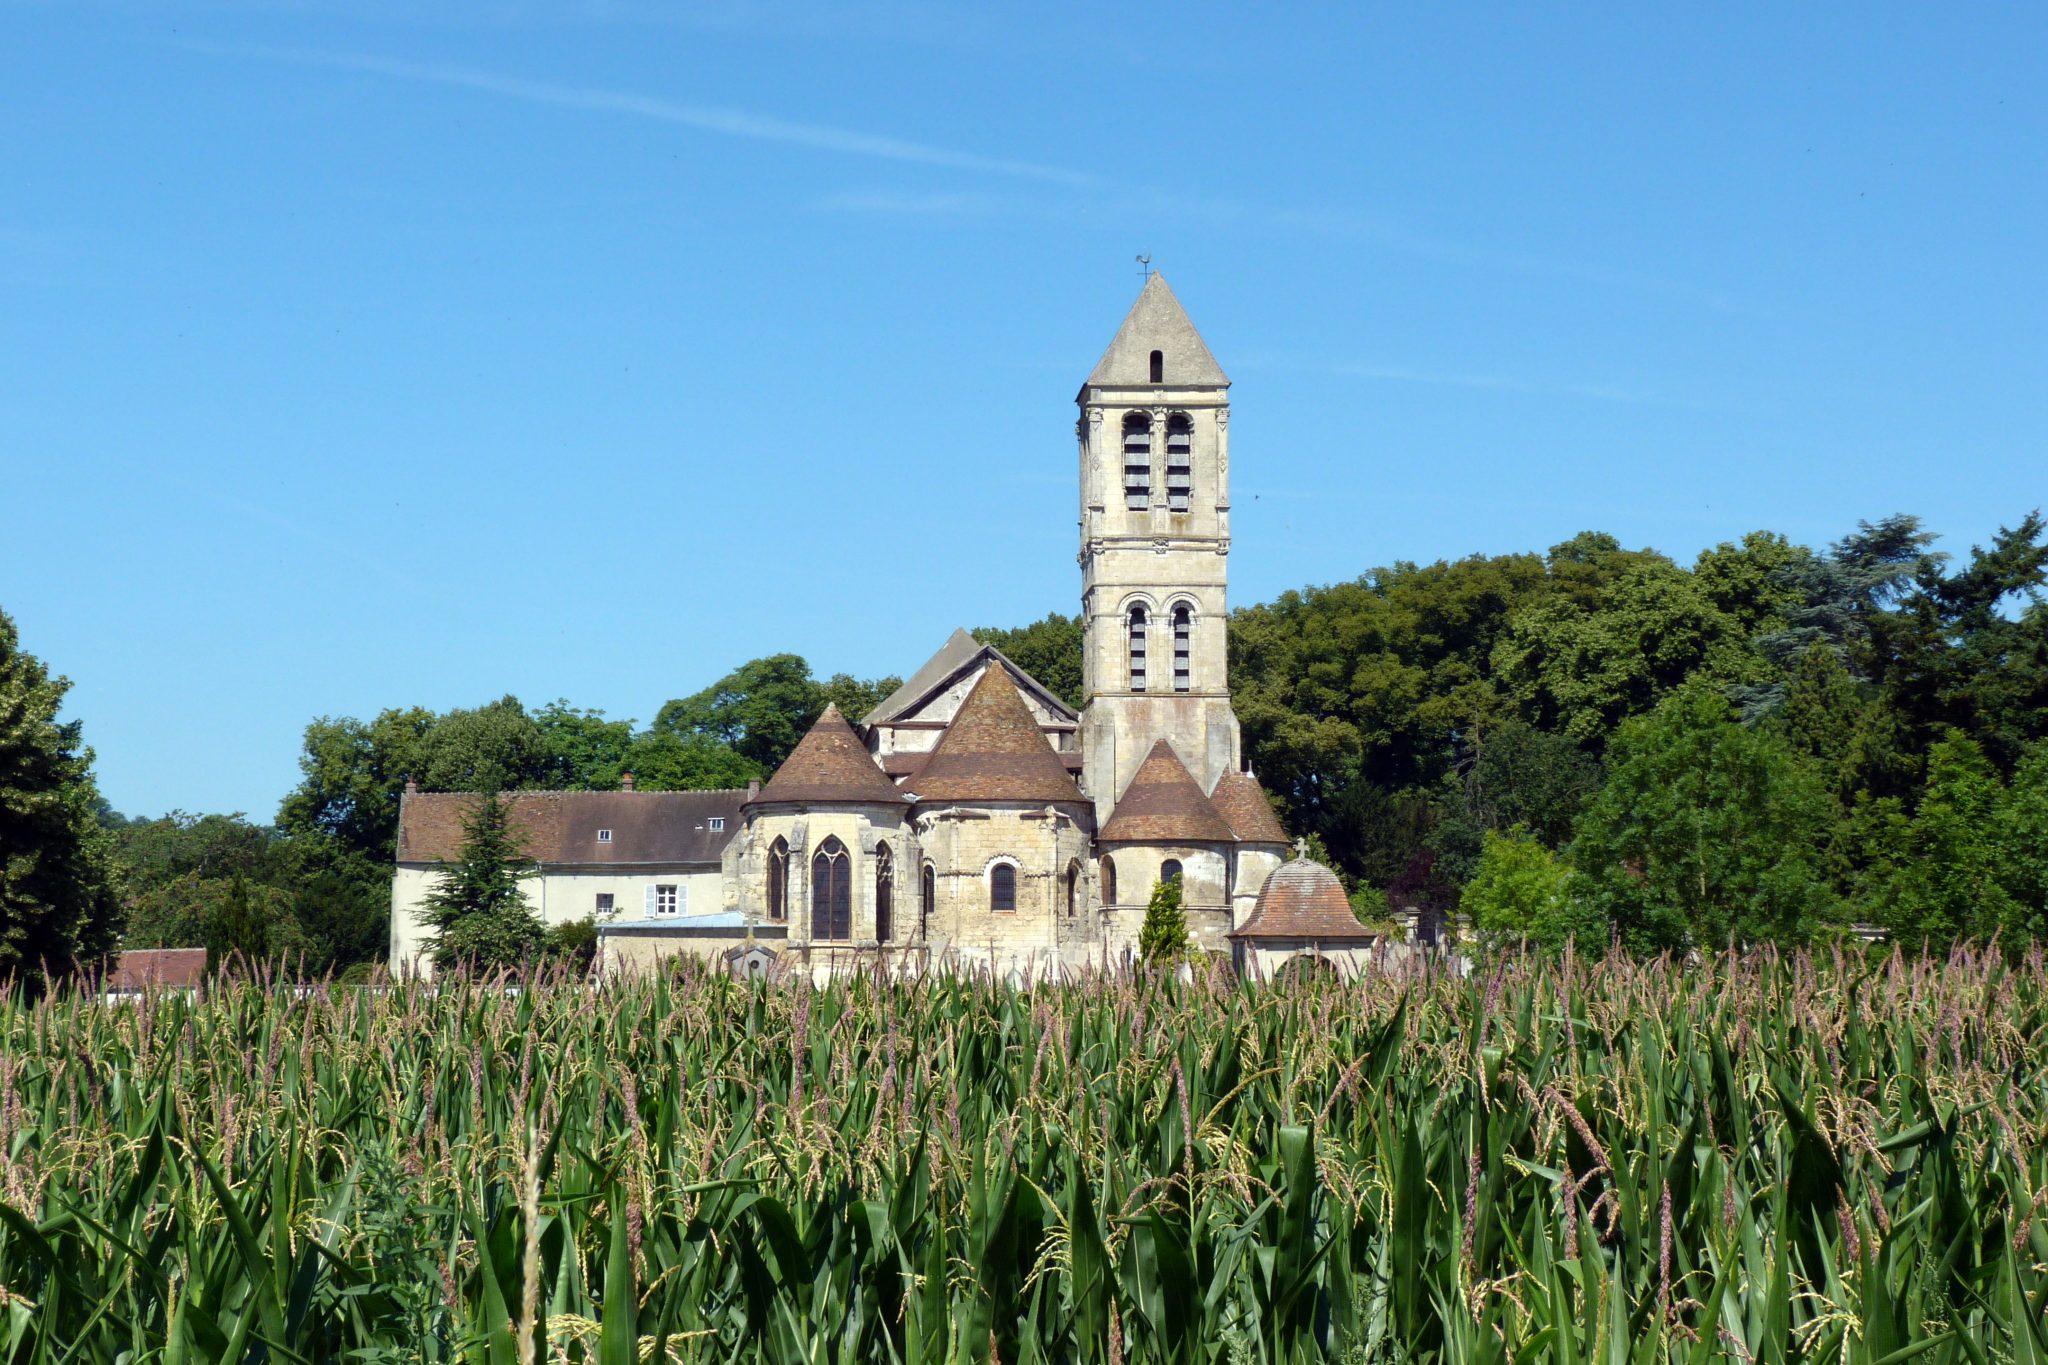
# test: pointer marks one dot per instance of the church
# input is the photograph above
(973, 817)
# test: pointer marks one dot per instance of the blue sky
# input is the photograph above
(365, 354)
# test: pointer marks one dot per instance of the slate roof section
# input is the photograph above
(829, 764)
(1163, 805)
(647, 828)
(1242, 803)
(1304, 900)
(171, 969)
(1157, 322)
(994, 751)
(960, 653)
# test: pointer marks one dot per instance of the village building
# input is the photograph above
(973, 818)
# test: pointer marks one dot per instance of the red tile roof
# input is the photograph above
(1243, 804)
(1304, 900)
(830, 764)
(562, 827)
(994, 751)
(1164, 806)
(162, 968)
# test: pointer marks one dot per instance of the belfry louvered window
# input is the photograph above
(832, 892)
(1183, 633)
(1137, 633)
(1180, 459)
(1137, 461)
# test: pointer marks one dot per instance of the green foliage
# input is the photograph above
(762, 708)
(1049, 650)
(59, 903)
(1522, 892)
(1753, 1162)
(573, 943)
(1705, 831)
(481, 917)
(1370, 905)
(1163, 937)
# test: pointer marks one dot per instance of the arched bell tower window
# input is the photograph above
(1180, 459)
(1183, 646)
(778, 880)
(1137, 461)
(885, 894)
(832, 892)
(1137, 641)
(1159, 367)
(1107, 874)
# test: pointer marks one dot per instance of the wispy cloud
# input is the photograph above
(725, 121)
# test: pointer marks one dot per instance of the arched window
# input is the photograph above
(1073, 889)
(1107, 873)
(778, 880)
(928, 900)
(1180, 474)
(832, 892)
(1169, 871)
(1137, 634)
(1002, 888)
(885, 894)
(1137, 461)
(1183, 638)
(1159, 367)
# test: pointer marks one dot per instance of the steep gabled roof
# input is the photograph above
(1304, 899)
(829, 764)
(959, 654)
(1157, 322)
(994, 751)
(1164, 806)
(1242, 803)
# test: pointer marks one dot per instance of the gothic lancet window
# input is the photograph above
(832, 892)
(1137, 461)
(778, 880)
(1002, 888)
(1108, 877)
(1180, 477)
(885, 894)
(1073, 889)
(928, 900)
(1183, 633)
(1137, 638)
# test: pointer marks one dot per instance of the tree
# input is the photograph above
(1163, 938)
(59, 904)
(2021, 839)
(1522, 891)
(668, 762)
(1523, 776)
(483, 919)
(248, 924)
(1705, 830)
(760, 709)
(1940, 879)
(585, 752)
(494, 747)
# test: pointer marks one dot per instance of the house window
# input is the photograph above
(604, 836)
(1159, 367)
(1183, 631)
(1002, 888)
(665, 898)
(1107, 875)
(1180, 478)
(1137, 461)
(717, 824)
(605, 903)
(885, 888)
(1169, 871)
(1137, 638)
(778, 880)
(928, 899)
(832, 892)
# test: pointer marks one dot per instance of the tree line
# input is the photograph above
(1774, 742)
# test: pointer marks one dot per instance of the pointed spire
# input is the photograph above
(1163, 805)
(994, 751)
(830, 764)
(1242, 803)
(1157, 322)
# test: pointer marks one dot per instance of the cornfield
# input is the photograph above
(1758, 1159)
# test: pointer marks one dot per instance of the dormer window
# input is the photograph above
(1159, 367)
(1137, 461)
(604, 836)
(1180, 476)
(717, 824)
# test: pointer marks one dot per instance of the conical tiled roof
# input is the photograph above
(829, 764)
(993, 751)
(1157, 322)
(1164, 806)
(1242, 803)
(1304, 899)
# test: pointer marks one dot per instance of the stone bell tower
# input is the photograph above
(1155, 536)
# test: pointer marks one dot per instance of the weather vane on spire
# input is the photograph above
(1145, 266)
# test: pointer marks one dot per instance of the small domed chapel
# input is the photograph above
(973, 816)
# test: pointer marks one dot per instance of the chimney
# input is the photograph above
(626, 783)
(412, 788)
(753, 787)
